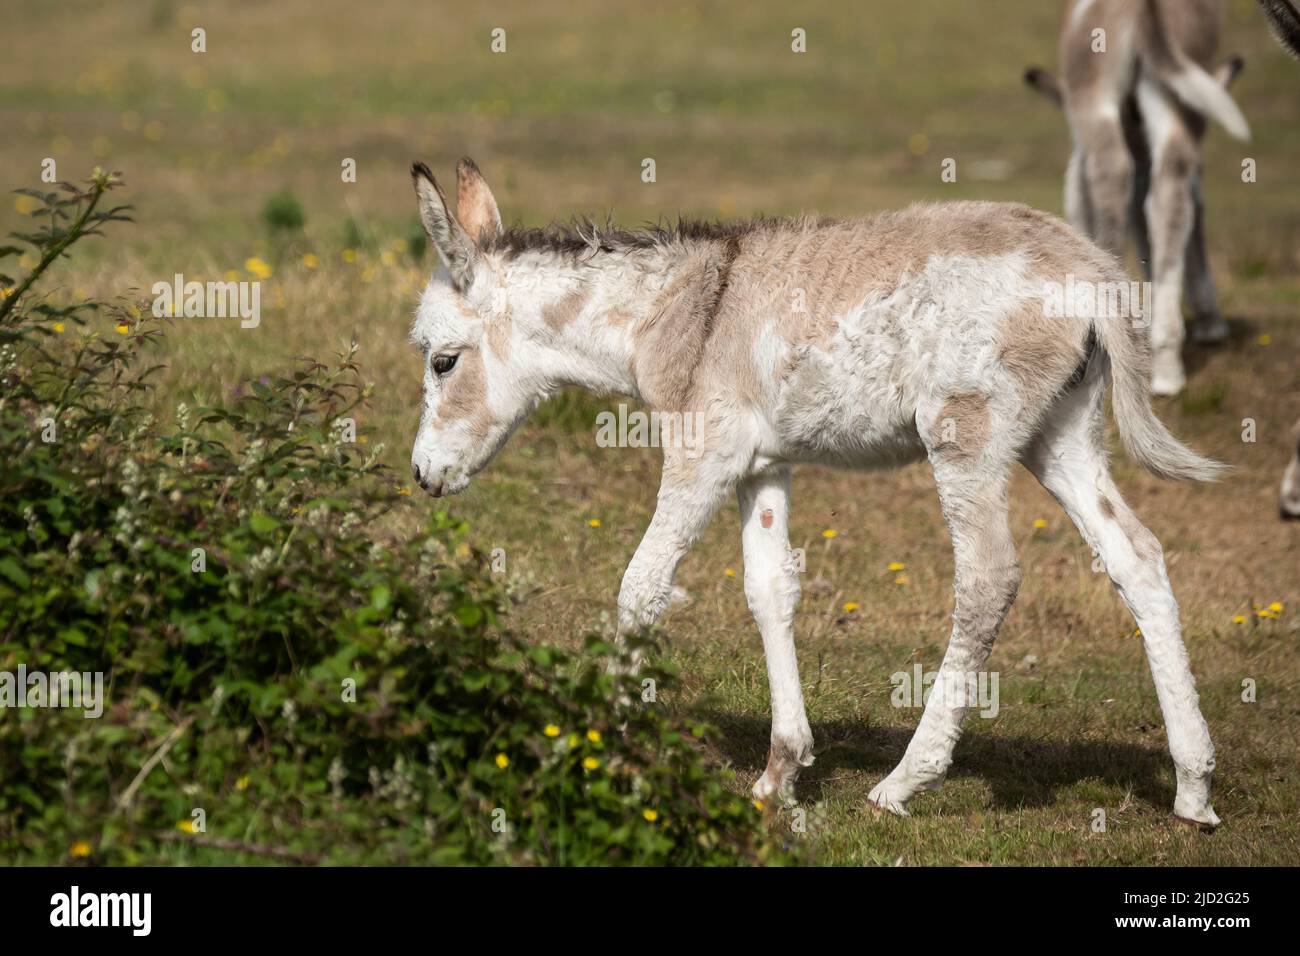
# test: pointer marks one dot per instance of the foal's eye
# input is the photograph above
(442, 364)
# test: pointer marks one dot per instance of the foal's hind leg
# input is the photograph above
(1070, 462)
(772, 589)
(973, 493)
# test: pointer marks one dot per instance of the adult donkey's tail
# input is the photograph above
(1194, 86)
(1284, 18)
(1144, 435)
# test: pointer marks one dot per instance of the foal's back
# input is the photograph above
(839, 331)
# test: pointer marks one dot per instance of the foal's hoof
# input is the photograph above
(766, 790)
(890, 797)
(1202, 817)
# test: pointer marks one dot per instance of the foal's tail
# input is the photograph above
(1145, 437)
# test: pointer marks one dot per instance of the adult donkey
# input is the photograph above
(1137, 89)
(932, 332)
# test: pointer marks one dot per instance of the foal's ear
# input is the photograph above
(454, 246)
(475, 205)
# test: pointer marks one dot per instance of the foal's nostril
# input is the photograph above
(416, 469)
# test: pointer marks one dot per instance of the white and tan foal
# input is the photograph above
(926, 333)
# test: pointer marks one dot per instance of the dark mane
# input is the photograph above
(584, 236)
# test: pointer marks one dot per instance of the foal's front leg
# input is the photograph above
(772, 589)
(689, 494)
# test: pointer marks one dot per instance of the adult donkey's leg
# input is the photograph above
(1078, 204)
(1208, 325)
(1107, 168)
(1171, 216)
(689, 494)
(772, 589)
(973, 492)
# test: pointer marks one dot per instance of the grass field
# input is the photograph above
(737, 124)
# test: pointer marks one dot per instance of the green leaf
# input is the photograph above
(262, 523)
(12, 570)
(469, 615)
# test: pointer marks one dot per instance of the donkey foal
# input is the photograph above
(928, 333)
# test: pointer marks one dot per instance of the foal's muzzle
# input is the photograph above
(427, 481)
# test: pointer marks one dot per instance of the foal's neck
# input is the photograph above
(643, 312)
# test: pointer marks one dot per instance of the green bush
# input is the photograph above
(417, 242)
(318, 689)
(283, 212)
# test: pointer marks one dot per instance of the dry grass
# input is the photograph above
(560, 124)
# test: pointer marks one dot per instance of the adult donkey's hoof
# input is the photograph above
(1210, 331)
(1167, 375)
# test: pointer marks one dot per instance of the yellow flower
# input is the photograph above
(593, 523)
(593, 736)
(242, 783)
(829, 533)
(503, 761)
(310, 260)
(1264, 613)
(123, 328)
(758, 804)
(185, 826)
(650, 816)
(1276, 607)
(258, 267)
(1137, 632)
(26, 204)
(730, 572)
(80, 849)
(551, 730)
(6, 293)
(349, 255)
(387, 258)
(232, 275)
(404, 491)
(850, 606)
(901, 579)
(1265, 339)
(896, 566)
(572, 741)
(58, 327)
(591, 763)
(1239, 619)
(1040, 523)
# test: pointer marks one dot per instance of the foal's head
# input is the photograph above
(487, 358)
